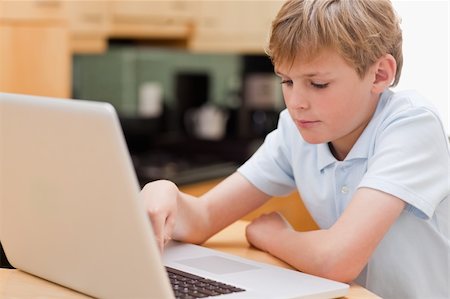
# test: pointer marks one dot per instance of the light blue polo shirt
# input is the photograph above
(403, 151)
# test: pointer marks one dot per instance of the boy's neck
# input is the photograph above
(341, 148)
(340, 156)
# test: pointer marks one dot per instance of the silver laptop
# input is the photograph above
(70, 212)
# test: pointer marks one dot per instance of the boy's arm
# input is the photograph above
(229, 201)
(340, 252)
(186, 218)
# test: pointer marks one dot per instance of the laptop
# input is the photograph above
(70, 212)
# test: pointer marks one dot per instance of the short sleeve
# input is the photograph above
(270, 169)
(411, 160)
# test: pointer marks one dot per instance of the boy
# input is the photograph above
(371, 165)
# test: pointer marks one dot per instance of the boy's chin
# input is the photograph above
(313, 139)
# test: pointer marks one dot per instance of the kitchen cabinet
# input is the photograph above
(290, 206)
(150, 19)
(204, 26)
(89, 25)
(34, 48)
(233, 26)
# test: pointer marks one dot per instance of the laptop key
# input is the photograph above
(187, 285)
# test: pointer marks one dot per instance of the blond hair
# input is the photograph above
(361, 31)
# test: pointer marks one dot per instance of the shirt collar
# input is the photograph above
(359, 151)
(324, 156)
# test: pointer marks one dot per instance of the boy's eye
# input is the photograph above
(319, 85)
(287, 82)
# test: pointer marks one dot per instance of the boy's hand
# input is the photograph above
(160, 199)
(261, 230)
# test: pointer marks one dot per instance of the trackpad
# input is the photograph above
(217, 264)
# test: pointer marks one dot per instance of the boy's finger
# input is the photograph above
(158, 225)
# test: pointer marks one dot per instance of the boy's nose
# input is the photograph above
(299, 100)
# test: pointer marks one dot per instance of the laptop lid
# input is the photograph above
(69, 206)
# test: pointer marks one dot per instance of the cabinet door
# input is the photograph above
(236, 26)
(150, 19)
(88, 23)
(35, 59)
(34, 51)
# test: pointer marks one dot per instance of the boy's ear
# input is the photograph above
(385, 69)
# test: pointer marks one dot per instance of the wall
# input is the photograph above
(425, 27)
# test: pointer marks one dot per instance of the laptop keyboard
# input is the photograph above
(188, 286)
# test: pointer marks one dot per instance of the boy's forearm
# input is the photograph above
(342, 251)
(200, 218)
(227, 202)
(192, 220)
(315, 252)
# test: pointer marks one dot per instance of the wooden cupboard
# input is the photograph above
(34, 48)
(150, 19)
(213, 26)
(88, 23)
(205, 26)
(233, 26)
(35, 59)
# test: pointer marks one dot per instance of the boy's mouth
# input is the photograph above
(305, 124)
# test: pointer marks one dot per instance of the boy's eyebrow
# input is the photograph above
(308, 75)
(278, 73)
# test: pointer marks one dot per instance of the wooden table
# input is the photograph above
(20, 285)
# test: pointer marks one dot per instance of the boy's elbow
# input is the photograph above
(338, 274)
(338, 261)
(341, 270)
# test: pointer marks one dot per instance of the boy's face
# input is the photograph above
(327, 99)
